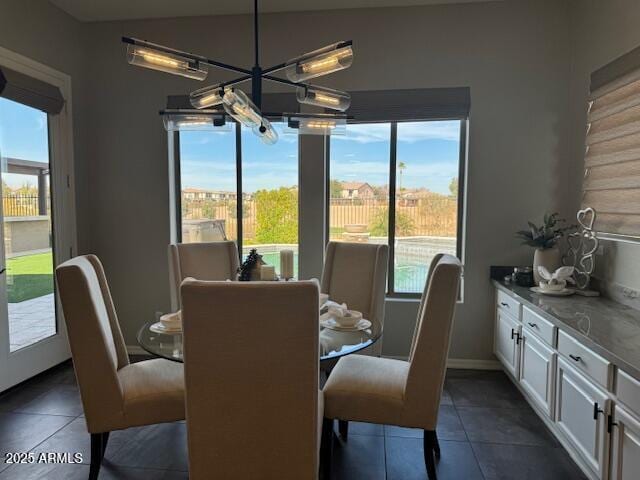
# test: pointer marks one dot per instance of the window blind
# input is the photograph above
(612, 161)
(30, 91)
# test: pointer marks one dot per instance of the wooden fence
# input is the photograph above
(431, 214)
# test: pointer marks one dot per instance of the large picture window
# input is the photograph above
(216, 170)
(399, 183)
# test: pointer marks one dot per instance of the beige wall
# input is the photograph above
(513, 55)
(601, 31)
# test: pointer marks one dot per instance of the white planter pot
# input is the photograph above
(549, 258)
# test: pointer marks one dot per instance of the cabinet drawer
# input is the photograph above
(584, 359)
(628, 391)
(508, 304)
(544, 329)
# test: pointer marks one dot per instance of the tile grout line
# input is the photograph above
(473, 452)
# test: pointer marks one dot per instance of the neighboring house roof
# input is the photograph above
(354, 185)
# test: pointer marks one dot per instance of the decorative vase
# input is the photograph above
(550, 258)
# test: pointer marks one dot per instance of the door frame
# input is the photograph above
(29, 361)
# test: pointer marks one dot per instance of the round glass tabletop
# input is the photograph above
(333, 343)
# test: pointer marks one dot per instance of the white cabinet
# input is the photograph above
(581, 413)
(625, 445)
(537, 371)
(506, 344)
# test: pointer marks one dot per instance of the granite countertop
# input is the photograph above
(609, 328)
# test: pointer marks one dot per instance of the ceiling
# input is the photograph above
(104, 10)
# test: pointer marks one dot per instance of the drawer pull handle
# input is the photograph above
(533, 325)
(610, 423)
(517, 335)
(596, 410)
(575, 358)
(504, 304)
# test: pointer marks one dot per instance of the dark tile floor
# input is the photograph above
(486, 430)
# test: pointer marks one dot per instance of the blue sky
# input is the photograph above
(429, 149)
(23, 134)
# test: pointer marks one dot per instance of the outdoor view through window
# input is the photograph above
(26, 218)
(426, 186)
(269, 191)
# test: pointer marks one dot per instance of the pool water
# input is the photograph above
(409, 277)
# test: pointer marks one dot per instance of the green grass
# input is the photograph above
(29, 276)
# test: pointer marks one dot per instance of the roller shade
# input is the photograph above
(410, 104)
(612, 161)
(29, 91)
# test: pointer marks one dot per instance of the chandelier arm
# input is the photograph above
(285, 81)
(235, 81)
(190, 56)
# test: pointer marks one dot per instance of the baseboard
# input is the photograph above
(462, 363)
(471, 364)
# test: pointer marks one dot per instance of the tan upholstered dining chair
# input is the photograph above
(251, 360)
(204, 261)
(115, 394)
(403, 393)
(356, 274)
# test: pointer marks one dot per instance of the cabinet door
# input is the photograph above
(581, 410)
(537, 371)
(625, 447)
(507, 342)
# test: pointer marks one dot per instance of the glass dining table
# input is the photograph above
(333, 343)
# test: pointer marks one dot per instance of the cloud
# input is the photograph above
(407, 132)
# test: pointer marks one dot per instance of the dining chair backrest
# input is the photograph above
(96, 341)
(203, 261)
(251, 361)
(428, 356)
(356, 274)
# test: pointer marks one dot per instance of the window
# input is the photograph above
(211, 165)
(414, 167)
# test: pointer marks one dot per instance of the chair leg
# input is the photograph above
(326, 448)
(343, 428)
(105, 440)
(96, 455)
(430, 446)
(436, 446)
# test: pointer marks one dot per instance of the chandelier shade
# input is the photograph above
(207, 97)
(309, 124)
(237, 104)
(324, 97)
(323, 61)
(266, 132)
(198, 121)
(165, 62)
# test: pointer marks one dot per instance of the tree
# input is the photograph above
(276, 216)
(379, 223)
(335, 189)
(453, 187)
(401, 167)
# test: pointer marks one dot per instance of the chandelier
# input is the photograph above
(206, 102)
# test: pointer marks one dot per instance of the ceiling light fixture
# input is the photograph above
(235, 102)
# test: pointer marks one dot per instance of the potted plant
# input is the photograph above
(545, 240)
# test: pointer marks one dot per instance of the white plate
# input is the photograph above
(554, 293)
(160, 328)
(332, 324)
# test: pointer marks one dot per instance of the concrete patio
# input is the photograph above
(31, 321)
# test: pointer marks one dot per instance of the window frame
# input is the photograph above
(393, 147)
